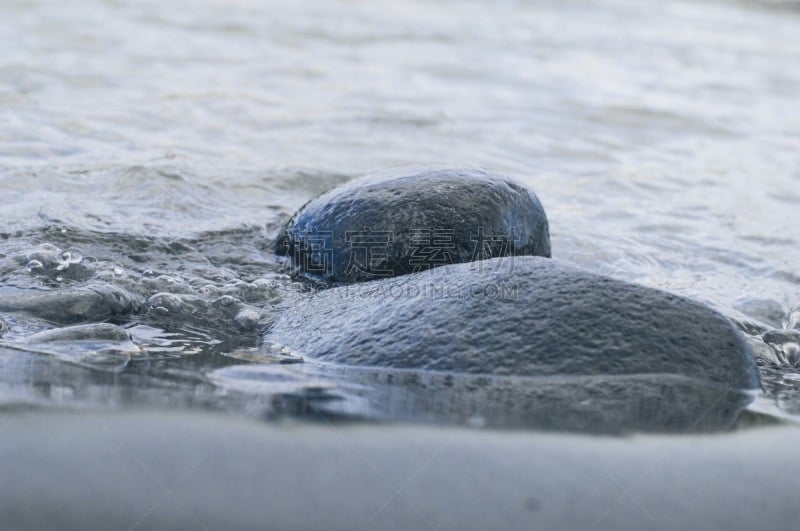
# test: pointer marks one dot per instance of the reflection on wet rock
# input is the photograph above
(413, 219)
(591, 404)
(33, 378)
(270, 379)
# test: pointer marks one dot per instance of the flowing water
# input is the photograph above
(150, 152)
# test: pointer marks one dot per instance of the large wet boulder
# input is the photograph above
(414, 219)
(523, 316)
(561, 347)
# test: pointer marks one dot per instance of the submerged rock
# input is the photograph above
(90, 332)
(524, 316)
(71, 305)
(527, 317)
(101, 346)
(410, 220)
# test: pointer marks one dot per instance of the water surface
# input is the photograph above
(149, 153)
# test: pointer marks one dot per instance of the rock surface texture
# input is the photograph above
(523, 316)
(499, 334)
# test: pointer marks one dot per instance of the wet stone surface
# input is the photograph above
(414, 219)
(506, 323)
(523, 316)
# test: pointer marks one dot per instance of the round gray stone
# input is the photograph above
(414, 219)
(522, 316)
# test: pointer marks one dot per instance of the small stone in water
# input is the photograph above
(67, 258)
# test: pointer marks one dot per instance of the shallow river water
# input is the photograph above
(151, 151)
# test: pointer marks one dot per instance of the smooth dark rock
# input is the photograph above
(402, 221)
(530, 321)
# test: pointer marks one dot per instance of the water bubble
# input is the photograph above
(226, 300)
(73, 256)
(67, 258)
(210, 290)
(163, 303)
(59, 278)
(170, 279)
(118, 271)
(247, 319)
(34, 266)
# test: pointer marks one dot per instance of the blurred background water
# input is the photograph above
(150, 151)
